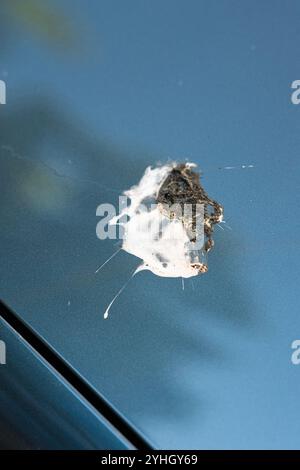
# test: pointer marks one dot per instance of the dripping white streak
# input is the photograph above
(120, 291)
(236, 167)
(226, 224)
(105, 262)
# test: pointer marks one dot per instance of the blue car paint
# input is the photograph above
(208, 367)
(40, 410)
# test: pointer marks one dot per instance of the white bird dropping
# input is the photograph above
(169, 222)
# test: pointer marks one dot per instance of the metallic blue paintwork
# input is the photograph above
(39, 410)
(139, 82)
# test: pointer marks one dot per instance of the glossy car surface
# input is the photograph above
(97, 91)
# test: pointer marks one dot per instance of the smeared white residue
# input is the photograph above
(160, 241)
(164, 251)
